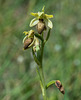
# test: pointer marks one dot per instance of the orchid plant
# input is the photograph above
(37, 41)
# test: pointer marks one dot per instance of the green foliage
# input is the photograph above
(62, 56)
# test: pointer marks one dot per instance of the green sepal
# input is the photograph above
(50, 83)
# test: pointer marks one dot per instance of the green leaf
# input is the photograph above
(39, 36)
(50, 83)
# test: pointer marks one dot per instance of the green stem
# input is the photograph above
(38, 60)
(43, 83)
(43, 87)
(42, 49)
(35, 58)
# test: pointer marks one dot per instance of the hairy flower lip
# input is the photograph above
(27, 43)
(41, 26)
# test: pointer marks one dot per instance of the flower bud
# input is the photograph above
(59, 86)
(41, 26)
(36, 46)
(27, 43)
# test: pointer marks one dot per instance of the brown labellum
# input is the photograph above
(27, 42)
(41, 26)
(59, 86)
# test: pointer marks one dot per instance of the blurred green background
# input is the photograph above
(62, 54)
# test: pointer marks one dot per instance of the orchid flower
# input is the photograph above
(41, 15)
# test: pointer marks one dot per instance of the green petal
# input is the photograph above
(49, 16)
(50, 24)
(34, 22)
(34, 14)
(25, 32)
